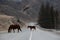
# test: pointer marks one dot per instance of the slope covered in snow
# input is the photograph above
(26, 34)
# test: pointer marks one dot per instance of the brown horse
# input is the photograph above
(14, 27)
(31, 27)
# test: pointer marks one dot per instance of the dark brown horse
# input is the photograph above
(31, 27)
(14, 27)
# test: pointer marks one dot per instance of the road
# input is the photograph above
(26, 34)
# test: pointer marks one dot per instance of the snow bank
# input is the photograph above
(26, 34)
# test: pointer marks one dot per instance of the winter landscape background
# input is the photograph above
(12, 10)
(15, 8)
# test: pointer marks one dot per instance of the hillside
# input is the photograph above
(15, 8)
(6, 21)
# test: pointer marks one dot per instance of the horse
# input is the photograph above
(32, 27)
(13, 27)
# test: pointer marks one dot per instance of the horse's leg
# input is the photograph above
(18, 30)
(35, 28)
(14, 30)
(30, 28)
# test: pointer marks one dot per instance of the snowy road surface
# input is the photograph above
(26, 34)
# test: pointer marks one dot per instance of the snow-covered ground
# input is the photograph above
(26, 34)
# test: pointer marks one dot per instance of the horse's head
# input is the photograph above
(9, 30)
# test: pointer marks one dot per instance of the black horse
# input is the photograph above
(31, 27)
(14, 27)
